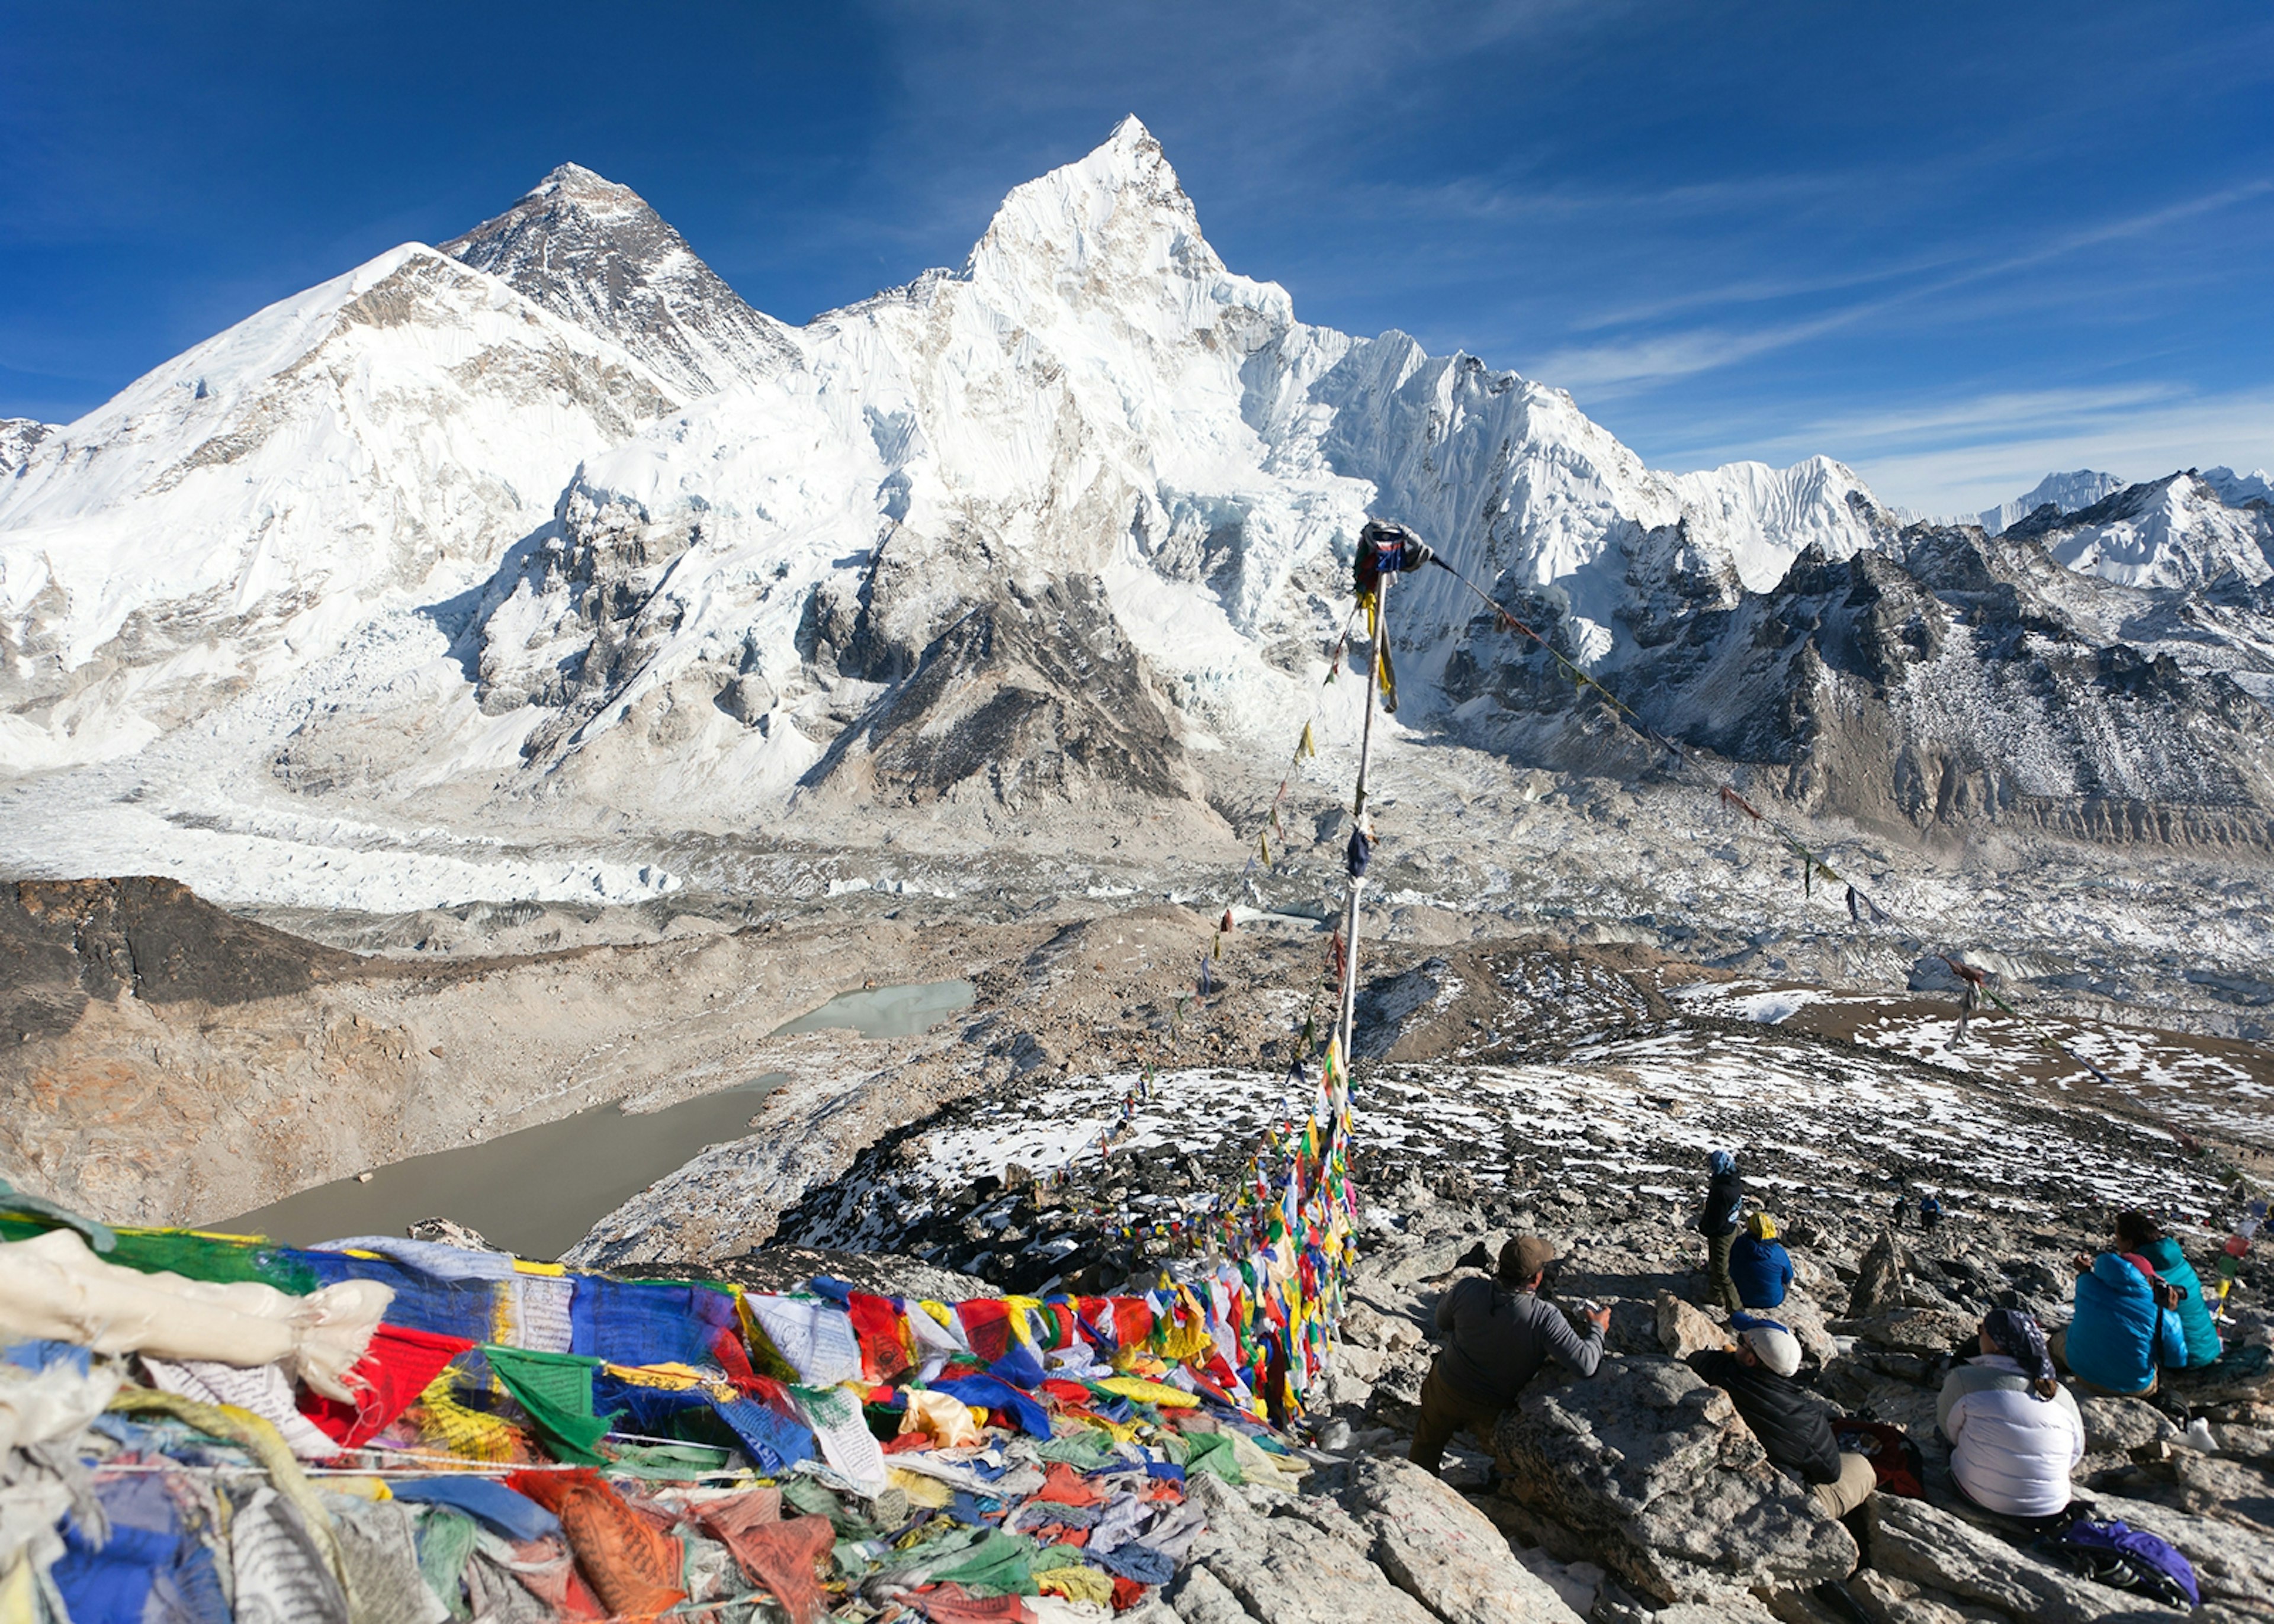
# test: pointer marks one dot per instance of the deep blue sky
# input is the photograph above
(1956, 245)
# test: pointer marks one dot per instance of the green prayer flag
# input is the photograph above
(1211, 1451)
(556, 1390)
(446, 1542)
(1000, 1564)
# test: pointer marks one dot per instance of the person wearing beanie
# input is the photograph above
(1498, 1333)
(2014, 1433)
(1760, 1267)
(1790, 1422)
(1717, 1221)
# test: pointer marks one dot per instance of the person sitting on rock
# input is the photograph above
(1499, 1332)
(2109, 1343)
(2142, 1237)
(2015, 1434)
(1760, 1267)
(1790, 1422)
(1717, 1221)
(2171, 1330)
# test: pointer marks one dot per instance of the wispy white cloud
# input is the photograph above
(1621, 364)
(1963, 454)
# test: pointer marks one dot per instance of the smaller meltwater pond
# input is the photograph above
(536, 1191)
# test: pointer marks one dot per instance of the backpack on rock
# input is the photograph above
(2124, 1557)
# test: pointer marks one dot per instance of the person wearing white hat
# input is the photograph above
(1790, 1422)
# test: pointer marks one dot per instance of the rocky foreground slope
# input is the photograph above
(1525, 1084)
(1636, 1493)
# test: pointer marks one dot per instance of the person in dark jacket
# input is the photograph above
(1760, 1267)
(1792, 1427)
(2138, 1234)
(1717, 1221)
(1499, 1332)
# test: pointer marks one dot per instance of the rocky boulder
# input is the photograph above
(1684, 1329)
(1281, 1569)
(1808, 1326)
(1445, 1553)
(1654, 1466)
(1923, 1332)
(1914, 1542)
(2119, 1425)
(1878, 1278)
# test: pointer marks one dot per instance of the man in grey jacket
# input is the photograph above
(1498, 1333)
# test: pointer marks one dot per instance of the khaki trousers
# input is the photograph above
(1851, 1489)
(1444, 1413)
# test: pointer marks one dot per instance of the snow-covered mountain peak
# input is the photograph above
(1057, 526)
(1114, 226)
(593, 252)
(18, 438)
(2068, 492)
(380, 438)
(596, 189)
(2174, 532)
(2235, 489)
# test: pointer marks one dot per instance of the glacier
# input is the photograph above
(547, 530)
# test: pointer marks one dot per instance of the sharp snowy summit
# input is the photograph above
(550, 524)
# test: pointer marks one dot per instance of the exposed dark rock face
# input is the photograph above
(595, 253)
(1508, 1000)
(18, 437)
(790, 1268)
(65, 941)
(1949, 679)
(1035, 691)
(1024, 689)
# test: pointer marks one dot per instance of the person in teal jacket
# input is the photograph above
(2138, 1233)
(2110, 1343)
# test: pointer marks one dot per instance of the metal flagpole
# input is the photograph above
(1358, 810)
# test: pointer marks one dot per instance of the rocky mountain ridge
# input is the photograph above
(595, 254)
(558, 533)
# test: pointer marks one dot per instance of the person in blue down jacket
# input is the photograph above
(2113, 1340)
(1760, 1267)
(2140, 1235)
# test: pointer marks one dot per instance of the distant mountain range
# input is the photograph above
(551, 517)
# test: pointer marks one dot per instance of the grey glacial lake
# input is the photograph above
(537, 1191)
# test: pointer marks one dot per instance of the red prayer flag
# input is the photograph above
(392, 1373)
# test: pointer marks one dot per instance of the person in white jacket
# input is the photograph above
(2015, 1434)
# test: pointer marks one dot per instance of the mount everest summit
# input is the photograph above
(549, 523)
